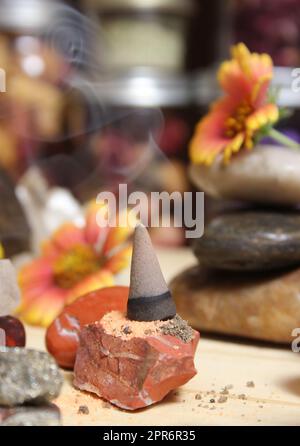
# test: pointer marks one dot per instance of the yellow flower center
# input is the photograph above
(74, 265)
(237, 123)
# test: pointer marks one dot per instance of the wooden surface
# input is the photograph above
(274, 399)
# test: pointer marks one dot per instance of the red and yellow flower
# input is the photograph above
(75, 261)
(234, 121)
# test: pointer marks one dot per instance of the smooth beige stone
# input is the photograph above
(253, 305)
(267, 174)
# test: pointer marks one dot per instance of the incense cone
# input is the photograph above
(149, 296)
(135, 361)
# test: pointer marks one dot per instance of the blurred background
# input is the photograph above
(102, 92)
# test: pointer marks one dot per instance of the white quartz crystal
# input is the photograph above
(9, 289)
(2, 338)
(46, 207)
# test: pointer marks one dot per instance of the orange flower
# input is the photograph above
(75, 261)
(234, 120)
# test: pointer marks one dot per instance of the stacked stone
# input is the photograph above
(247, 281)
(28, 378)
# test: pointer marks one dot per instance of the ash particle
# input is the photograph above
(127, 330)
(179, 328)
(224, 391)
(83, 410)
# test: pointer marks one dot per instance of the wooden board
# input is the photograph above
(274, 399)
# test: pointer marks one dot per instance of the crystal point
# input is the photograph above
(9, 289)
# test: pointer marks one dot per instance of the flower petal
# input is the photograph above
(233, 121)
(120, 234)
(32, 292)
(35, 272)
(260, 90)
(100, 279)
(252, 65)
(245, 72)
(49, 249)
(233, 146)
(232, 80)
(209, 139)
(120, 260)
(68, 236)
(93, 232)
(268, 114)
(44, 309)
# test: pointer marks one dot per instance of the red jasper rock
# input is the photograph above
(62, 337)
(136, 372)
(12, 332)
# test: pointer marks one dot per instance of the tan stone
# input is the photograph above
(267, 174)
(262, 305)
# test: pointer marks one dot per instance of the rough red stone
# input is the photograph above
(62, 337)
(14, 331)
(132, 373)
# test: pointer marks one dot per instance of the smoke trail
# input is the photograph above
(73, 36)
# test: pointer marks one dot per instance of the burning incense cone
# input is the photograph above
(149, 296)
(135, 361)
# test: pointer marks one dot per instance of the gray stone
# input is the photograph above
(47, 415)
(9, 289)
(27, 376)
(251, 241)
